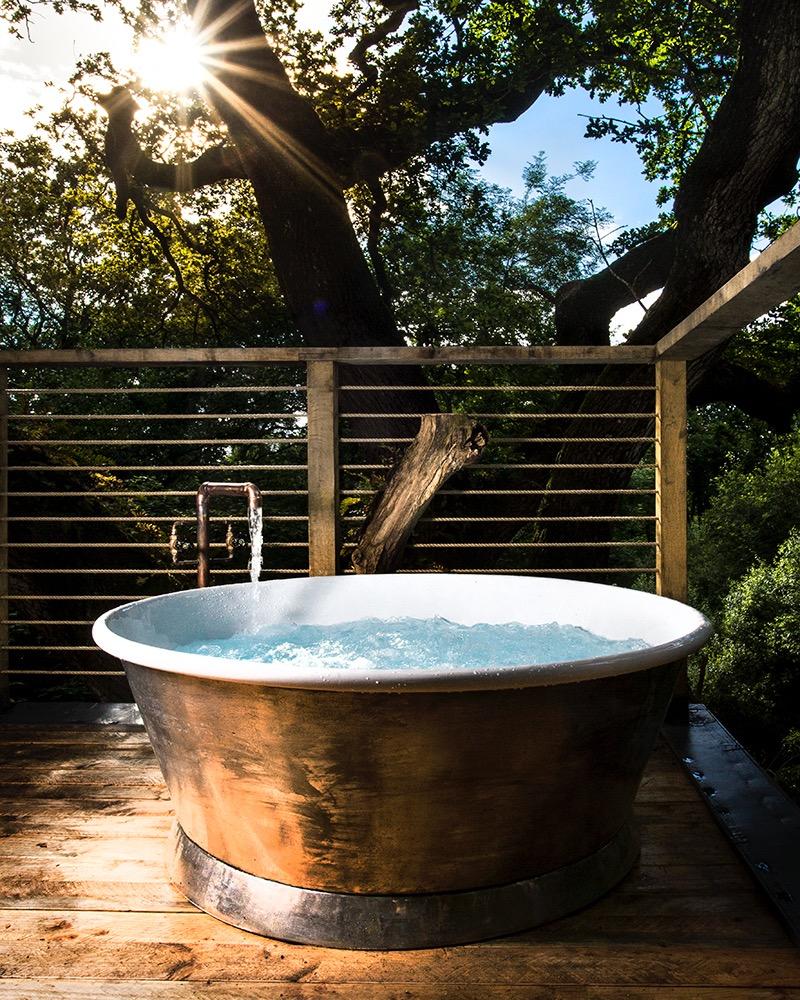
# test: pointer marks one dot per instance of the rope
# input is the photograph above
(509, 416)
(133, 390)
(15, 417)
(498, 388)
(128, 442)
(145, 571)
(514, 440)
(516, 493)
(157, 468)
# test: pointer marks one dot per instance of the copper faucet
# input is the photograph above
(206, 491)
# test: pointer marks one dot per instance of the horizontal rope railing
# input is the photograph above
(148, 518)
(508, 416)
(46, 621)
(108, 598)
(111, 494)
(496, 388)
(149, 442)
(529, 545)
(515, 440)
(130, 390)
(138, 571)
(484, 466)
(129, 545)
(158, 468)
(522, 520)
(48, 672)
(519, 493)
(549, 571)
(16, 417)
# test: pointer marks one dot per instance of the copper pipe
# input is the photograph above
(204, 493)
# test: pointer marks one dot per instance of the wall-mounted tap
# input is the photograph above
(204, 493)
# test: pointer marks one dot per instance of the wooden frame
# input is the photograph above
(671, 568)
(154, 357)
(3, 534)
(766, 282)
(323, 468)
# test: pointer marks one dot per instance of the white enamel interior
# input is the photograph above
(146, 632)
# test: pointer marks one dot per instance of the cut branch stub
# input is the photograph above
(446, 442)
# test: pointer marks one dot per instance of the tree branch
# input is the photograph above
(376, 212)
(358, 55)
(463, 108)
(584, 309)
(463, 98)
(446, 442)
(126, 160)
(163, 241)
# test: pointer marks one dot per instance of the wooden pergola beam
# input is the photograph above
(766, 282)
(155, 357)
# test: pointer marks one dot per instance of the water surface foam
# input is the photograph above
(418, 643)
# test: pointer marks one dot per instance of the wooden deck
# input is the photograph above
(86, 912)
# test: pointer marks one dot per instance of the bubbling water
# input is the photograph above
(418, 643)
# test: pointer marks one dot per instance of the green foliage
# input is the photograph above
(668, 66)
(472, 264)
(71, 275)
(770, 347)
(722, 438)
(750, 515)
(753, 665)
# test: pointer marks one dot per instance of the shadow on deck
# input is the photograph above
(88, 913)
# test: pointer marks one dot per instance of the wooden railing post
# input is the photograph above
(671, 515)
(323, 468)
(4, 578)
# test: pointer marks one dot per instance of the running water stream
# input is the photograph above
(255, 521)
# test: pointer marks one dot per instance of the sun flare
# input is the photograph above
(173, 62)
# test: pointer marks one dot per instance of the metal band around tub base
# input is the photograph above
(382, 923)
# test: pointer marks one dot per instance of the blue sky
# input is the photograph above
(555, 125)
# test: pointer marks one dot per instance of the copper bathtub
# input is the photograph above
(400, 809)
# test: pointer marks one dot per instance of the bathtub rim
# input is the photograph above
(380, 681)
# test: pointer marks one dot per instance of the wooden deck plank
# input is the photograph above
(197, 947)
(78, 853)
(86, 911)
(78, 989)
(100, 736)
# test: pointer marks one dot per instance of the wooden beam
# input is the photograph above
(766, 282)
(671, 517)
(156, 357)
(323, 469)
(4, 577)
(671, 479)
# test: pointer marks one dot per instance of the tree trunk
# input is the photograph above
(446, 443)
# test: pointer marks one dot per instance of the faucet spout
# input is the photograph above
(204, 494)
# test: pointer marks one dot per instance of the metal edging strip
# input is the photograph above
(758, 818)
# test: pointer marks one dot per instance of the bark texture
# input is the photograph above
(446, 443)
